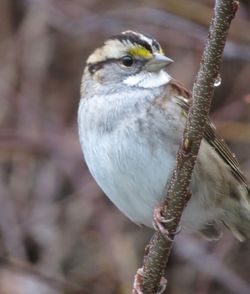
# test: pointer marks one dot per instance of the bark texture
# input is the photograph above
(178, 194)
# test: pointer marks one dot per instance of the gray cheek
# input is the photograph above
(114, 73)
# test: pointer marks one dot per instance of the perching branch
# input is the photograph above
(158, 251)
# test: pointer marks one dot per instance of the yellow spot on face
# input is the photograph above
(161, 51)
(140, 52)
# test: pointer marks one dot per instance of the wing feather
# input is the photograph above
(184, 99)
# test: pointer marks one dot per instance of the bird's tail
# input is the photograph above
(238, 219)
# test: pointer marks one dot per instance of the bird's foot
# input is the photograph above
(159, 223)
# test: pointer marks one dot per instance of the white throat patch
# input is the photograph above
(148, 79)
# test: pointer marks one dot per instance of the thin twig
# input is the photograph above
(159, 249)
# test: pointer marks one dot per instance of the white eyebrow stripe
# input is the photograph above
(146, 39)
(141, 36)
(115, 48)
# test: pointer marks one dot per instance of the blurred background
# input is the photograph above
(58, 234)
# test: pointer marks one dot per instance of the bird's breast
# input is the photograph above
(129, 163)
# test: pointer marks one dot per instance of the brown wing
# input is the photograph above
(184, 99)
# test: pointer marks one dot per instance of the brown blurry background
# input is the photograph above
(58, 234)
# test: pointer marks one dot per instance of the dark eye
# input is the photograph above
(127, 60)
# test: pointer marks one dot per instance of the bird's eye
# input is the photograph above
(127, 60)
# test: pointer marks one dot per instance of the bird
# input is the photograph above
(131, 118)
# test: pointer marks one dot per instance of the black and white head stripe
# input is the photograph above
(140, 39)
(119, 45)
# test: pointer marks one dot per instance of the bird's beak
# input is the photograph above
(157, 62)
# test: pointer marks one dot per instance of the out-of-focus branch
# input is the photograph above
(186, 8)
(53, 283)
(159, 249)
(189, 249)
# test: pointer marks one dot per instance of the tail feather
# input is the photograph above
(238, 231)
(237, 220)
(240, 225)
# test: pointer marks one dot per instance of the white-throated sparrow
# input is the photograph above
(131, 118)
